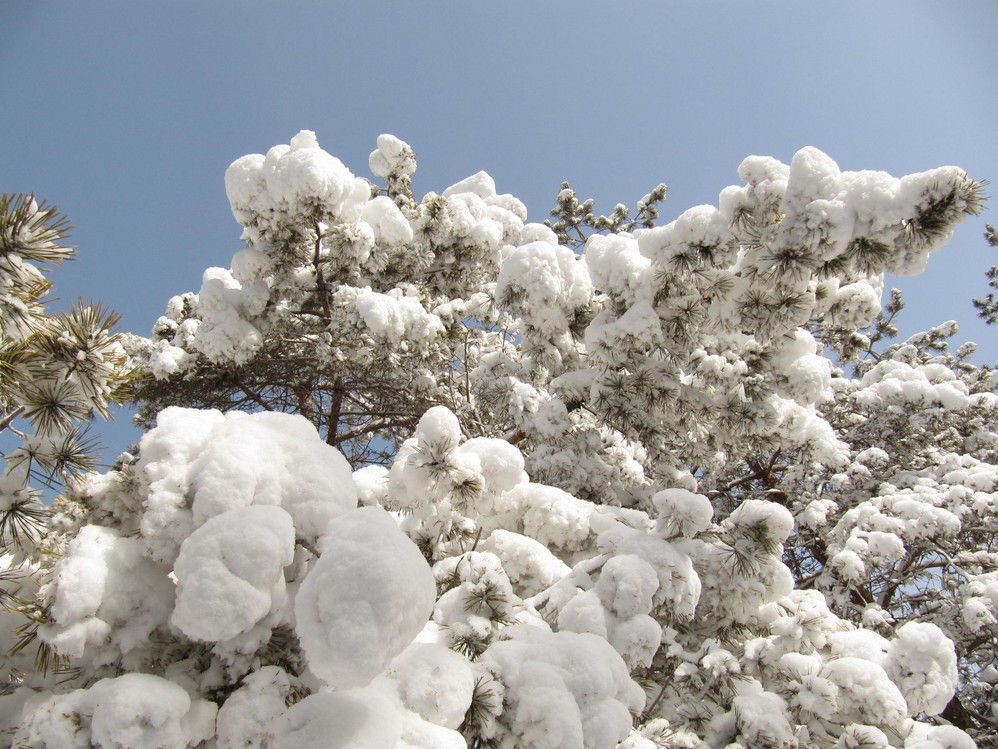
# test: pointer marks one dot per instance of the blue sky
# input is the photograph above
(125, 114)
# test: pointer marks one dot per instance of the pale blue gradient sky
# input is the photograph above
(126, 114)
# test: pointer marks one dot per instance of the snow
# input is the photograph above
(372, 485)
(939, 737)
(584, 613)
(107, 596)
(865, 692)
(477, 601)
(392, 317)
(307, 173)
(165, 360)
(530, 565)
(627, 585)
(922, 662)
(365, 599)
(699, 238)
(546, 283)
(615, 265)
(347, 719)
(768, 518)
(562, 689)
(390, 226)
(551, 515)
(226, 333)
(420, 734)
(246, 720)
(636, 638)
(859, 643)
(167, 454)
(860, 736)
(679, 585)
(392, 156)
(138, 711)
(681, 513)
(230, 572)
(133, 711)
(199, 464)
(480, 184)
(434, 682)
(761, 720)
(438, 427)
(500, 463)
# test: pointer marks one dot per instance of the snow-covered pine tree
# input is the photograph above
(57, 371)
(987, 307)
(425, 474)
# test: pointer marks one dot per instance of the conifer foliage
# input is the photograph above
(57, 371)
(423, 473)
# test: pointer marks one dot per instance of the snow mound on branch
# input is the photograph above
(432, 466)
(922, 662)
(366, 598)
(293, 182)
(679, 585)
(530, 564)
(247, 718)
(550, 515)
(760, 719)
(133, 711)
(136, 711)
(434, 682)
(865, 693)
(626, 585)
(772, 521)
(199, 464)
(618, 608)
(167, 453)
(272, 458)
(546, 283)
(615, 265)
(107, 597)
(480, 184)
(230, 572)
(391, 317)
(226, 308)
(388, 222)
(500, 463)
(681, 513)
(393, 156)
(938, 737)
(561, 689)
(352, 719)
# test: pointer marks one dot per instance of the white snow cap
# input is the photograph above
(248, 716)
(682, 513)
(230, 572)
(480, 184)
(133, 711)
(106, 593)
(364, 601)
(141, 711)
(922, 662)
(389, 223)
(351, 719)
(434, 682)
(562, 689)
(291, 182)
(544, 282)
(392, 156)
(199, 464)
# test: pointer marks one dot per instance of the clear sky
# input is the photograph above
(126, 114)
